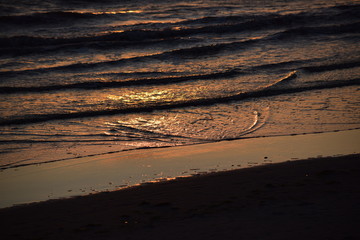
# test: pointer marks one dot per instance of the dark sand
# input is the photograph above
(308, 199)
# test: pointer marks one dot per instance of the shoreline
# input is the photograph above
(305, 199)
(121, 170)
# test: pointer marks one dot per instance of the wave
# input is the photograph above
(340, 12)
(183, 78)
(274, 89)
(117, 84)
(211, 25)
(321, 30)
(48, 18)
(184, 52)
(207, 49)
(334, 66)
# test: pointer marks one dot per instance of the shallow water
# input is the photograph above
(79, 78)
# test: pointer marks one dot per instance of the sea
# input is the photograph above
(83, 78)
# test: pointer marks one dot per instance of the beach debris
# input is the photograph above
(251, 164)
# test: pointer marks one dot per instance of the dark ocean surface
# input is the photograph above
(87, 77)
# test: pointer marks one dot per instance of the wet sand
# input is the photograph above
(305, 199)
(113, 171)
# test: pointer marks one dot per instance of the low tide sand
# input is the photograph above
(306, 199)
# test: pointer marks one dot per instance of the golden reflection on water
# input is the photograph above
(107, 12)
(152, 96)
(114, 31)
(177, 28)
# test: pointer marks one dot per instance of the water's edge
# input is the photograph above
(124, 169)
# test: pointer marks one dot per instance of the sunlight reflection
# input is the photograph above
(144, 96)
(154, 124)
(108, 12)
(114, 31)
(177, 28)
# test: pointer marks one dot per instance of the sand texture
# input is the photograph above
(307, 199)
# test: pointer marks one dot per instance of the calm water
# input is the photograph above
(87, 77)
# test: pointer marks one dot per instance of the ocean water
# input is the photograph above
(89, 77)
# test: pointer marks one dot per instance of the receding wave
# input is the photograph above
(270, 90)
(322, 30)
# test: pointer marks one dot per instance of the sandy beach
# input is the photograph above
(305, 199)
